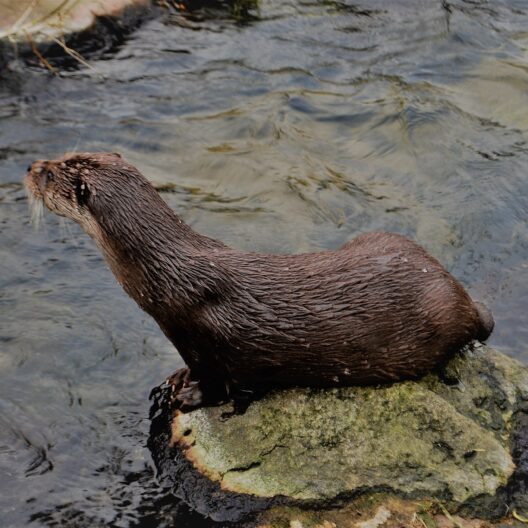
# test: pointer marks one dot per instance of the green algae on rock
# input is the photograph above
(414, 440)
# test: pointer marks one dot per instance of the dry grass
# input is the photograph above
(35, 24)
(37, 20)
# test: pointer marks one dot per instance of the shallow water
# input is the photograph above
(291, 129)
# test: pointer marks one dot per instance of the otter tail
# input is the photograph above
(486, 321)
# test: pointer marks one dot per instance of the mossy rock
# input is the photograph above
(456, 443)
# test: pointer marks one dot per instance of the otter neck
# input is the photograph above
(157, 258)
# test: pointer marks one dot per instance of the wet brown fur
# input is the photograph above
(378, 309)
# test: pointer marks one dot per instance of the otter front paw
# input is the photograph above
(178, 379)
(189, 397)
(185, 394)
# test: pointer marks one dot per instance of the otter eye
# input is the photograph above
(49, 176)
(81, 192)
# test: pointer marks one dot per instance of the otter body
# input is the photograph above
(378, 309)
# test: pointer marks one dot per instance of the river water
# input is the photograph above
(291, 127)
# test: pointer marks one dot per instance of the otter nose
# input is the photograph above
(37, 166)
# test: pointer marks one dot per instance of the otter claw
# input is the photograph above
(189, 397)
(179, 378)
(185, 394)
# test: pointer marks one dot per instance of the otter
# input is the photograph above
(377, 310)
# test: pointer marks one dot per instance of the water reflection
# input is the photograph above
(291, 129)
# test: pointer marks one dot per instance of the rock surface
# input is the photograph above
(44, 20)
(460, 443)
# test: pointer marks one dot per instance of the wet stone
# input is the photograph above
(458, 443)
(44, 20)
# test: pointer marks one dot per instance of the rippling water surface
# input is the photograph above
(290, 128)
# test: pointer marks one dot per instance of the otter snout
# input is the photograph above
(35, 184)
(35, 179)
(37, 167)
(32, 178)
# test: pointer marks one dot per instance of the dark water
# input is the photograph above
(291, 129)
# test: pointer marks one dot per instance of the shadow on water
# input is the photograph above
(288, 126)
(242, 12)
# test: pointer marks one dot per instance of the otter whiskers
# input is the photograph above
(36, 210)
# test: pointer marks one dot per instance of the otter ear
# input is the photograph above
(82, 192)
(117, 154)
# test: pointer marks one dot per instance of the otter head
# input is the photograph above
(100, 191)
(67, 185)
